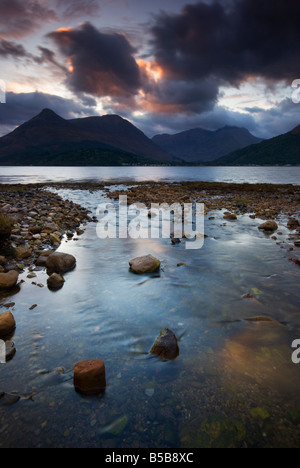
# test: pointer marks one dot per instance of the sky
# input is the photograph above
(165, 65)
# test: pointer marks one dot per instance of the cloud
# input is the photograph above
(229, 40)
(24, 106)
(11, 49)
(19, 18)
(76, 8)
(100, 64)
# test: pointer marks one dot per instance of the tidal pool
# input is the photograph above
(233, 384)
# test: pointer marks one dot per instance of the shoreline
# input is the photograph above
(42, 218)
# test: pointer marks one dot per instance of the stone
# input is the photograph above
(8, 280)
(89, 377)
(7, 323)
(59, 262)
(166, 345)
(269, 226)
(10, 350)
(146, 264)
(54, 239)
(293, 224)
(55, 281)
(230, 217)
(2, 260)
(22, 252)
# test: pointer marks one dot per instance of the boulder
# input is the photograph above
(22, 252)
(269, 226)
(293, 224)
(55, 281)
(89, 377)
(230, 216)
(166, 345)
(8, 280)
(146, 264)
(7, 323)
(60, 262)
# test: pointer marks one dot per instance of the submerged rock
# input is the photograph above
(8, 280)
(60, 262)
(146, 264)
(7, 323)
(269, 226)
(89, 377)
(166, 345)
(10, 350)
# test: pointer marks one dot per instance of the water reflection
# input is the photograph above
(233, 383)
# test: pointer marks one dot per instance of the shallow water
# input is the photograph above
(234, 383)
(252, 175)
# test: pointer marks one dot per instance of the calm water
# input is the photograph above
(274, 175)
(233, 384)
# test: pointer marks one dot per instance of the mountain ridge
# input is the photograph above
(281, 150)
(48, 132)
(200, 145)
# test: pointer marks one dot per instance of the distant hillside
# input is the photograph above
(198, 145)
(281, 150)
(48, 139)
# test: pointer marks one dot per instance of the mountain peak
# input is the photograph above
(48, 115)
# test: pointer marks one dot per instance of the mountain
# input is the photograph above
(48, 139)
(281, 150)
(203, 145)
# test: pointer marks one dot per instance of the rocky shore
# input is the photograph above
(34, 220)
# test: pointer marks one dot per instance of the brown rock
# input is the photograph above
(230, 217)
(269, 226)
(22, 252)
(55, 281)
(8, 280)
(54, 239)
(60, 262)
(89, 377)
(7, 323)
(166, 345)
(146, 264)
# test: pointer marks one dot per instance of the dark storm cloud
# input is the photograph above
(230, 40)
(24, 106)
(168, 96)
(100, 64)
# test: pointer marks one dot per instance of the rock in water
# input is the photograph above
(166, 345)
(55, 281)
(59, 263)
(89, 377)
(269, 226)
(8, 280)
(7, 323)
(146, 264)
(230, 217)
